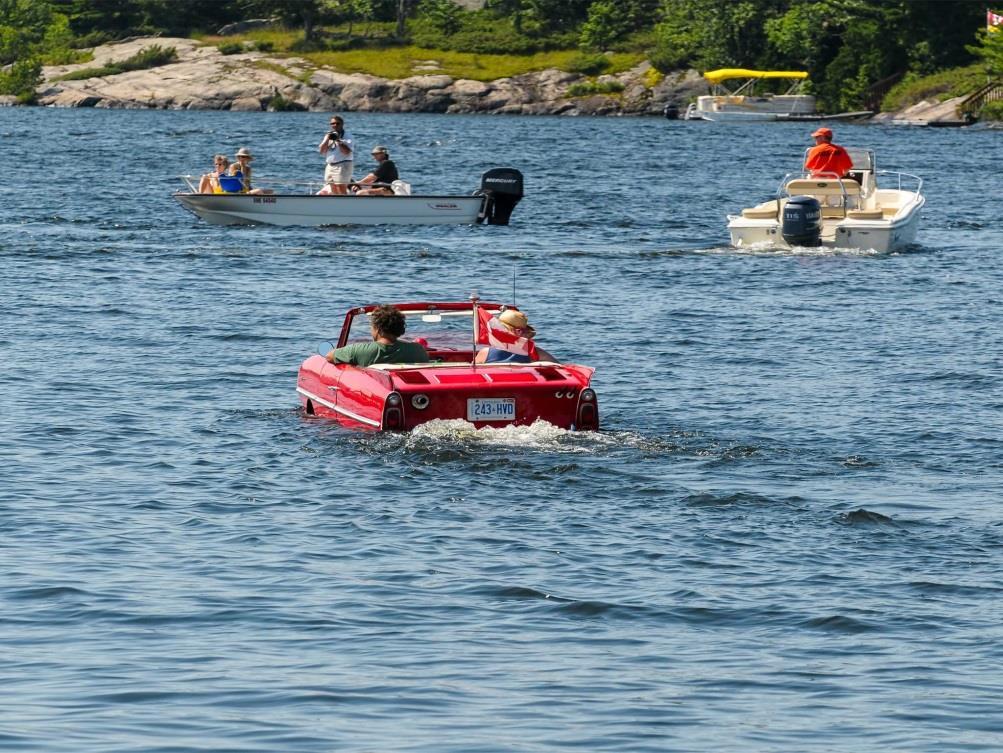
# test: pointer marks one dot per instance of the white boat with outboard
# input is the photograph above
(744, 102)
(501, 189)
(867, 209)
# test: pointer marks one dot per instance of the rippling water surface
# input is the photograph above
(787, 536)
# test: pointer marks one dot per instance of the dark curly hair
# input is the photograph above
(388, 321)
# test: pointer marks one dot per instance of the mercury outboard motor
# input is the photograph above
(802, 221)
(501, 188)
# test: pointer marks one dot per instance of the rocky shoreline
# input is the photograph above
(203, 78)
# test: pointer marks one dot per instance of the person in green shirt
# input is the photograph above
(387, 325)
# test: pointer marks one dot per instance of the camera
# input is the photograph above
(333, 135)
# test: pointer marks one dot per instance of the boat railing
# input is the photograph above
(902, 181)
(296, 186)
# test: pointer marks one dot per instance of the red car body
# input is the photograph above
(399, 397)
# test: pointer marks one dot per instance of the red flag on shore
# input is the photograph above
(994, 20)
(493, 333)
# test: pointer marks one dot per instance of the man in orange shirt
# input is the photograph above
(826, 159)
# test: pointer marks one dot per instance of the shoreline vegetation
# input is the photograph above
(910, 60)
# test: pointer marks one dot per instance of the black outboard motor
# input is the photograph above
(802, 221)
(671, 111)
(502, 190)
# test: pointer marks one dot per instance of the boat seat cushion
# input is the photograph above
(822, 187)
(865, 214)
(760, 213)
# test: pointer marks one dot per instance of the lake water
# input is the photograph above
(787, 536)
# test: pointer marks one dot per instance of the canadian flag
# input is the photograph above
(493, 333)
(993, 20)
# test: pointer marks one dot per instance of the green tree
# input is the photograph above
(444, 15)
(990, 51)
(607, 21)
(29, 31)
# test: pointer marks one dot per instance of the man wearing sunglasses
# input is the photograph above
(336, 146)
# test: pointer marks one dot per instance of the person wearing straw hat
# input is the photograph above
(825, 159)
(242, 169)
(377, 183)
(511, 341)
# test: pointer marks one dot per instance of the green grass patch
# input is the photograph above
(67, 56)
(148, 57)
(371, 48)
(954, 82)
(268, 65)
(992, 111)
(399, 62)
(588, 88)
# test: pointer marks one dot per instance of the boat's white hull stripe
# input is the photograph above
(336, 409)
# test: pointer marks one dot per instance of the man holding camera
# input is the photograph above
(336, 146)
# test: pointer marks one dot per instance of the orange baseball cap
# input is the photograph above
(827, 132)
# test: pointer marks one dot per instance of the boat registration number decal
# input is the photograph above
(491, 409)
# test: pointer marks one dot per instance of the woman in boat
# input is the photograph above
(210, 181)
(521, 349)
(242, 169)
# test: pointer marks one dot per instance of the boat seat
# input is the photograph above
(865, 214)
(823, 187)
(761, 213)
(830, 212)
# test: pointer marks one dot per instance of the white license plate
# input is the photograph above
(491, 409)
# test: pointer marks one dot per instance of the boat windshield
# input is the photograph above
(863, 159)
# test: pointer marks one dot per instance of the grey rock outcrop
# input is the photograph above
(204, 78)
(921, 113)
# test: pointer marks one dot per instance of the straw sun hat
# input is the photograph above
(516, 320)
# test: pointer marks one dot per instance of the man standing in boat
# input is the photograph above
(336, 146)
(826, 159)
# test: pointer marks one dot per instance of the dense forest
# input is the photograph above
(854, 50)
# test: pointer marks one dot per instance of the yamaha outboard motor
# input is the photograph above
(671, 111)
(502, 190)
(802, 221)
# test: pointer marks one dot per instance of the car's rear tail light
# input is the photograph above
(393, 412)
(588, 411)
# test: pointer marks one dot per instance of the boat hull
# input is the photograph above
(747, 108)
(284, 209)
(881, 235)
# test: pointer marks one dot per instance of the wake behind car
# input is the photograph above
(401, 396)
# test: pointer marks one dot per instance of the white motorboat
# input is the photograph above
(742, 103)
(501, 189)
(872, 209)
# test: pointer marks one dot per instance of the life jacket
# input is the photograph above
(232, 183)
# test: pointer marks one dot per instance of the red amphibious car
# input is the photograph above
(399, 397)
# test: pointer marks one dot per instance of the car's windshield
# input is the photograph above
(441, 330)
